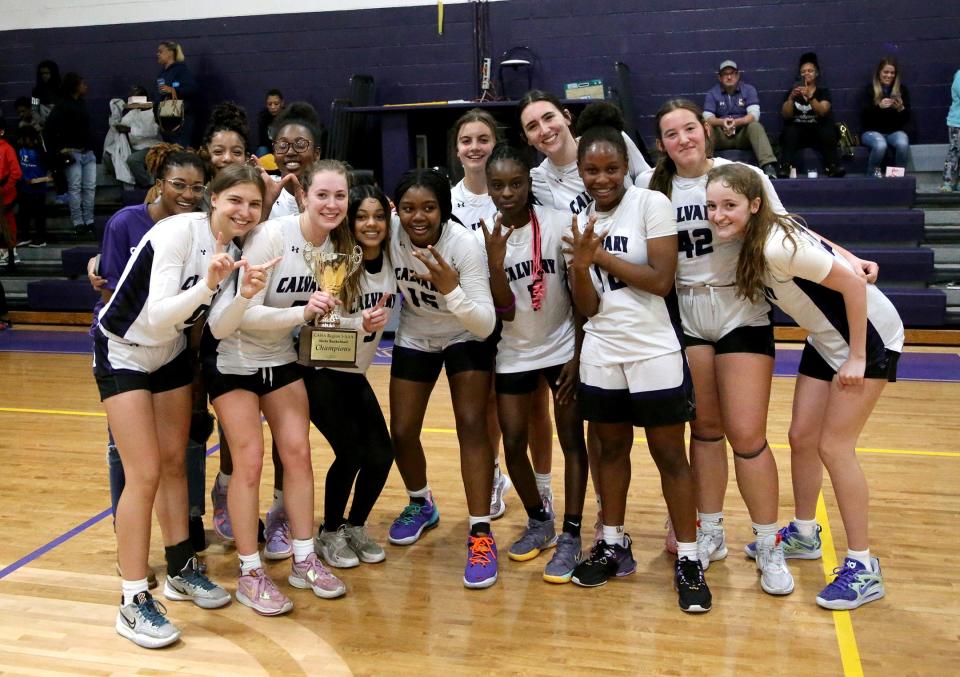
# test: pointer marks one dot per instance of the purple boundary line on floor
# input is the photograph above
(66, 536)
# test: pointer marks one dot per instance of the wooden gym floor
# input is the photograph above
(412, 615)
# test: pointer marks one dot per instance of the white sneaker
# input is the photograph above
(333, 547)
(775, 576)
(711, 544)
(144, 623)
(501, 485)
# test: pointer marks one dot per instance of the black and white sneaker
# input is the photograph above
(691, 586)
(192, 584)
(144, 622)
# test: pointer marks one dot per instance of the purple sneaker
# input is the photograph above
(278, 535)
(311, 573)
(221, 519)
(854, 585)
(481, 570)
(413, 521)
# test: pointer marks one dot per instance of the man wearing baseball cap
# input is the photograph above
(732, 109)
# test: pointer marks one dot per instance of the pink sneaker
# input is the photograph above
(221, 519)
(278, 535)
(258, 592)
(310, 573)
(670, 542)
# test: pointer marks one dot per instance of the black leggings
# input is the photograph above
(345, 410)
(821, 136)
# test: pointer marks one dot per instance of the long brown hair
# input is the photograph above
(666, 168)
(342, 237)
(878, 94)
(751, 263)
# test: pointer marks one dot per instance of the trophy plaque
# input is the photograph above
(323, 343)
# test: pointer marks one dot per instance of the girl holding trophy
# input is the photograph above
(256, 370)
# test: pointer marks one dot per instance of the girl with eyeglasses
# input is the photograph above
(296, 139)
(179, 188)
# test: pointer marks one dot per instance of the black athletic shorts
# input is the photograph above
(758, 340)
(525, 382)
(883, 365)
(419, 365)
(262, 382)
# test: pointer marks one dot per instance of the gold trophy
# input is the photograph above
(323, 343)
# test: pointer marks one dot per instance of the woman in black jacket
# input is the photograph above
(884, 116)
(175, 81)
(808, 119)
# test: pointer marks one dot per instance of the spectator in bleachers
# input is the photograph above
(32, 191)
(265, 121)
(46, 95)
(9, 175)
(138, 123)
(732, 109)
(69, 136)
(884, 116)
(808, 120)
(951, 165)
(46, 92)
(176, 81)
(26, 116)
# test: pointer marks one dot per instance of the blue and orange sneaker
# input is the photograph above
(481, 569)
(854, 586)
(795, 544)
(413, 521)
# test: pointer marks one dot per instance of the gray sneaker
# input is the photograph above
(144, 623)
(538, 536)
(565, 559)
(501, 485)
(333, 547)
(192, 584)
(367, 549)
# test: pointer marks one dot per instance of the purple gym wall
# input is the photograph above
(671, 46)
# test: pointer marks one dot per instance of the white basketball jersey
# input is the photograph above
(425, 312)
(373, 286)
(285, 205)
(631, 324)
(562, 188)
(470, 207)
(793, 279)
(535, 339)
(702, 259)
(265, 336)
(163, 290)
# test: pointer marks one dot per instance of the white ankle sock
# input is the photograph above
(478, 520)
(764, 530)
(302, 549)
(543, 482)
(688, 550)
(862, 556)
(711, 519)
(223, 480)
(807, 528)
(131, 589)
(613, 535)
(249, 562)
(420, 493)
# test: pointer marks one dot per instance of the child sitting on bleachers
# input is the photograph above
(32, 189)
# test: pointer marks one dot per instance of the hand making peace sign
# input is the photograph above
(444, 277)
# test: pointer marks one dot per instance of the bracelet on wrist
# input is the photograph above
(506, 309)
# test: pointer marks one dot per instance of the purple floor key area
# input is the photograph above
(913, 366)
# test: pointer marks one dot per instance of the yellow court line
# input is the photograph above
(452, 431)
(51, 412)
(842, 623)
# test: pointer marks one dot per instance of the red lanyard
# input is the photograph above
(539, 287)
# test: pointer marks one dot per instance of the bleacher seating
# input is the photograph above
(874, 219)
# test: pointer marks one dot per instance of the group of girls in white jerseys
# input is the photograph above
(638, 297)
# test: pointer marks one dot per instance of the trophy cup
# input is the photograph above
(323, 343)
